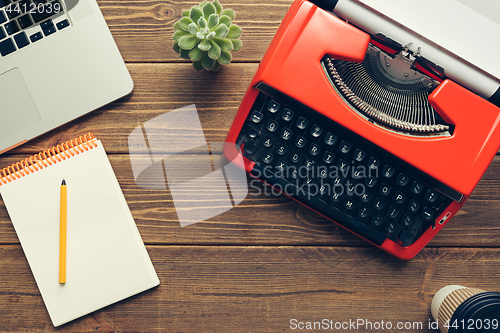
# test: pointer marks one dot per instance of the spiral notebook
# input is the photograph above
(106, 258)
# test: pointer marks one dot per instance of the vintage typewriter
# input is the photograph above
(368, 123)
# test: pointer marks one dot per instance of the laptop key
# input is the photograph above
(3, 18)
(63, 24)
(2, 34)
(25, 6)
(48, 28)
(12, 11)
(4, 3)
(21, 40)
(11, 27)
(25, 21)
(7, 47)
(47, 11)
(36, 37)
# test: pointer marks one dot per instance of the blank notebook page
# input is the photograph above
(106, 258)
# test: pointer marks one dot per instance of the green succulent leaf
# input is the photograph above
(204, 45)
(198, 66)
(179, 34)
(185, 12)
(237, 44)
(185, 22)
(203, 3)
(211, 35)
(176, 47)
(215, 50)
(177, 26)
(188, 42)
(218, 6)
(202, 23)
(195, 54)
(216, 67)
(195, 14)
(213, 21)
(221, 31)
(225, 58)
(184, 54)
(208, 10)
(226, 20)
(193, 28)
(234, 32)
(229, 12)
(207, 62)
(225, 44)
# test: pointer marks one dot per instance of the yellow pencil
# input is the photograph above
(62, 234)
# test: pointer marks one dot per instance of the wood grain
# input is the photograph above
(260, 289)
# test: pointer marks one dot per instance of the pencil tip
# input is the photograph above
(63, 182)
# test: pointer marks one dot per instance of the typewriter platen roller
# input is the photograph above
(375, 92)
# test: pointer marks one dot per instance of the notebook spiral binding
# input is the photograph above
(47, 157)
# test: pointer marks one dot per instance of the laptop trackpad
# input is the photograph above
(17, 109)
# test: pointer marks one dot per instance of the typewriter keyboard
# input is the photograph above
(340, 174)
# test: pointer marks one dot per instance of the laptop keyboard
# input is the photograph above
(340, 174)
(25, 22)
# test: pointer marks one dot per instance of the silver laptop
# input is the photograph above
(58, 61)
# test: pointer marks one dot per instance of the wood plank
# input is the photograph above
(264, 218)
(143, 29)
(260, 289)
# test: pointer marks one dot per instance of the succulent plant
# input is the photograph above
(206, 35)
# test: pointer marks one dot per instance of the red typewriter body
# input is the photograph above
(292, 66)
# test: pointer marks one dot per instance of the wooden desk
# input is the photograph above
(264, 263)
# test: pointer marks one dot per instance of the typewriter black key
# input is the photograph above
(295, 157)
(413, 206)
(427, 214)
(416, 187)
(373, 163)
(11, 27)
(268, 158)
(431, 196)
(316, 131)
(365, 197)
(343, 166)
(407, 236)
(281, 166)
(309, 164)
(286, 133)
(370, 181)
(322, 172)
(257, 116)
(36, 37)
(25, 21)
(406, 220)
(63, 24)
(359, 155)
(379, 204)
(393, 211)
(402, 180)
(250, 147)
(345, 147)
(385, 190)
(7, 47)
(377, 220)
(336, 196)
(253, 133)
(338, 181)
(349, 204)
(390, 228)
(363, 212)
(2, 34)
(3, 18)
(399, 197)
(300, 141)
(302, 123)
(287, 115)
(388, 171)
(21, 40)
(272, 126)
(281, 150)
(328, 157)
(268, 143)
(273, 106)
(330, 139)
(314, 149)
(358, 173)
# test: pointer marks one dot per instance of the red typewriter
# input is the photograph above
(363, 128)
